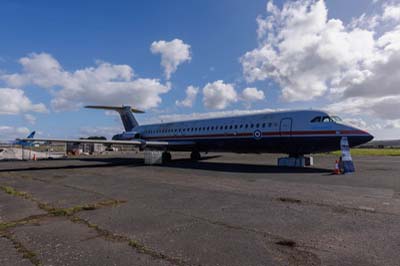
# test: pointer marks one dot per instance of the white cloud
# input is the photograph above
(391, 12)
(385, 108)
(191, 93)
(173, 54)
(356, 67)
(104, 83)
(252, 94)
(11, 133)
(218, 95)
(393, 124)
(14, 101)
(305, 53)
(30, 119)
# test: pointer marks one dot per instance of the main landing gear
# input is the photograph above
(195, 156)
(166, 157)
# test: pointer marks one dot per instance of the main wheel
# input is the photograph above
(166, 157)
(195, 156)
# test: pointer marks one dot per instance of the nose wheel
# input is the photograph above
(166, 157)
(195, 156)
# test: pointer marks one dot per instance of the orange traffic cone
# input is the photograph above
(336, 171)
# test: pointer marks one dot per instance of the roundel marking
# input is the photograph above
(257, 134)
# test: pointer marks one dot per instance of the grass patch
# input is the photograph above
(371, 152)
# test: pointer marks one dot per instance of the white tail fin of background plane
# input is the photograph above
(126, 113)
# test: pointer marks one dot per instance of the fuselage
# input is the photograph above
(290, 132)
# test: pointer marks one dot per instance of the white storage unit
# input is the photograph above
(152, 157)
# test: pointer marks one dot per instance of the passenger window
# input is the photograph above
(236, 126)
(246, 126)
(258, 125)
(252, 125)
(230, 127)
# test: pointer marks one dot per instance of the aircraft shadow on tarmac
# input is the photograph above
(239, 167)
(202, 164)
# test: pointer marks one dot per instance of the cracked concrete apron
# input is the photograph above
(229, 210)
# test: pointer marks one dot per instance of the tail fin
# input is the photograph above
(125, 112)
(30, 136)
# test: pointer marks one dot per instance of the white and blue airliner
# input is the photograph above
(295, 133)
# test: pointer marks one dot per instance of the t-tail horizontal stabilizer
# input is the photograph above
(126, 113)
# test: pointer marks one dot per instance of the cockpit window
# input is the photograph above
(337, 119)
(326, 119)
(316, 119)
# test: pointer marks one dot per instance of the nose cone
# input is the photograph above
(358, 137)
(368, 138)
(355, 135)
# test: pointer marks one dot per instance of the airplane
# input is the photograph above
(296, 133)
(25, 143)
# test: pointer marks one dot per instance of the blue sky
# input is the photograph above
(81, 35)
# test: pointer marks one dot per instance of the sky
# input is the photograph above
(184, 59)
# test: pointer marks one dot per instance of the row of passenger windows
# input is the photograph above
(208, 128)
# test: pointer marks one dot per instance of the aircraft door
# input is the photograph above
(286, 127)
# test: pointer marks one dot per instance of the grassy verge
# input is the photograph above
(372, 152)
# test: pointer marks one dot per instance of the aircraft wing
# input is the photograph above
(135, 142)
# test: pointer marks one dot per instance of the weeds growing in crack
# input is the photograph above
(51, 211)
(72, 210)
(139, 247)
(27, 254)
(14, 192)
(61, 211)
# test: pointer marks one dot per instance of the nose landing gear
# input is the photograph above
(195, 156)
(166, 157)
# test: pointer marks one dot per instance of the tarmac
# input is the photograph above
(227, 209)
